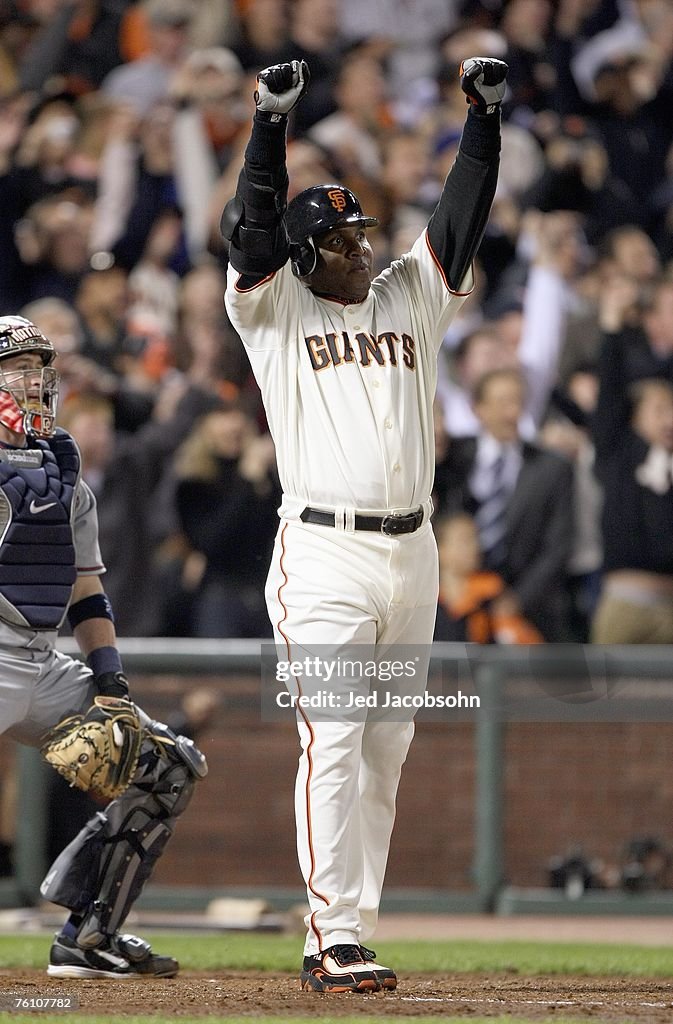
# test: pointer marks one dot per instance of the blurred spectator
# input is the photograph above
(567, 432)
(75, 47)
(575, 21)
(474, 605)
(211, 22)
(45, 162)
(227, 497)
(17, 27)
(478, 352)
(124, 473)
(633, 435)
(526, 25)
(406, 34)
(263, 34)
(521, 497)
(137, 184)
(642, 29)
(577, 177)
(583, 334)
(146, 80)
(632, 119)
(53, 243)
(201, 295)
(632, 253)
(315, 36)
(83, 375)
(407, 170)
(646, 342)
(352, 134)
(208, 350)
(528, 332)
(102, 303)
(207, 91)
(153, 286)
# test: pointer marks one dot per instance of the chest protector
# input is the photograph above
(37, 552)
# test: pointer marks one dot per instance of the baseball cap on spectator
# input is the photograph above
(165, 13)
(624, 43)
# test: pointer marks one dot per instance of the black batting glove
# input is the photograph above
(280, 87)
(483, 80)
(112, 684)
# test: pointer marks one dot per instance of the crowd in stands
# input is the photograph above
(122, 127)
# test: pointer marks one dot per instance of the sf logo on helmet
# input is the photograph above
(338, 199)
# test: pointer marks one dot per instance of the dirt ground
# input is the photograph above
(607, 1000)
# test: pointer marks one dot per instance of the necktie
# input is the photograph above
(491, 515)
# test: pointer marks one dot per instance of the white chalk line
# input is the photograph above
(533, 1002)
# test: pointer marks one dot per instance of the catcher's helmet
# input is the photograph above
(314, 211)
(27, 404)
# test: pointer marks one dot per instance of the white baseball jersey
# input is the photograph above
(348, 389)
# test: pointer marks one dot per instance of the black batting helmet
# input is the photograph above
(314, 211)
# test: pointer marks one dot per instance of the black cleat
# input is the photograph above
(385, 975)
(340, 968)
(122, 956)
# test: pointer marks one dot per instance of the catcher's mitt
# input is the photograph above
(98, 751)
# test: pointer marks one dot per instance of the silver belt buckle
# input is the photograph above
(393, 526)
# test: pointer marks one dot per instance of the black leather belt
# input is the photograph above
(391, 525)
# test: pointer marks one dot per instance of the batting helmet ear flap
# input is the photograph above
(303, 257)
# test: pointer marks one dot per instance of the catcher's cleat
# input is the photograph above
(340, 968)
(385, 975)
(123, 956)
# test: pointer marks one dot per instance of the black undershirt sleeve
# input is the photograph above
(457, 225)
(253, 221)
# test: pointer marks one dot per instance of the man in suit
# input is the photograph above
(521, 498)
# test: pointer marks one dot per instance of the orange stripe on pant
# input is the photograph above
(309, 758)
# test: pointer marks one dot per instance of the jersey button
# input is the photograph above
(388, 424)
(376, 384)
(396, 467)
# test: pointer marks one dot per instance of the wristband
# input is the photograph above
(104, 660)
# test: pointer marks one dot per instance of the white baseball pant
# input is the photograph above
(332, 588)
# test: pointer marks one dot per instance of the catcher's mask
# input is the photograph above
(28, 398)
(314, 211)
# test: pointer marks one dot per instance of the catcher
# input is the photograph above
(81, 718)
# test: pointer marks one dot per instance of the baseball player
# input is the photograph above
(80, 715)
(347, 368)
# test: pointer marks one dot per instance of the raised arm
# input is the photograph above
(252, 220)
(611, 417)
(458, 222)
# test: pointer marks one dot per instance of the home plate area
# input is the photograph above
(225, 994)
